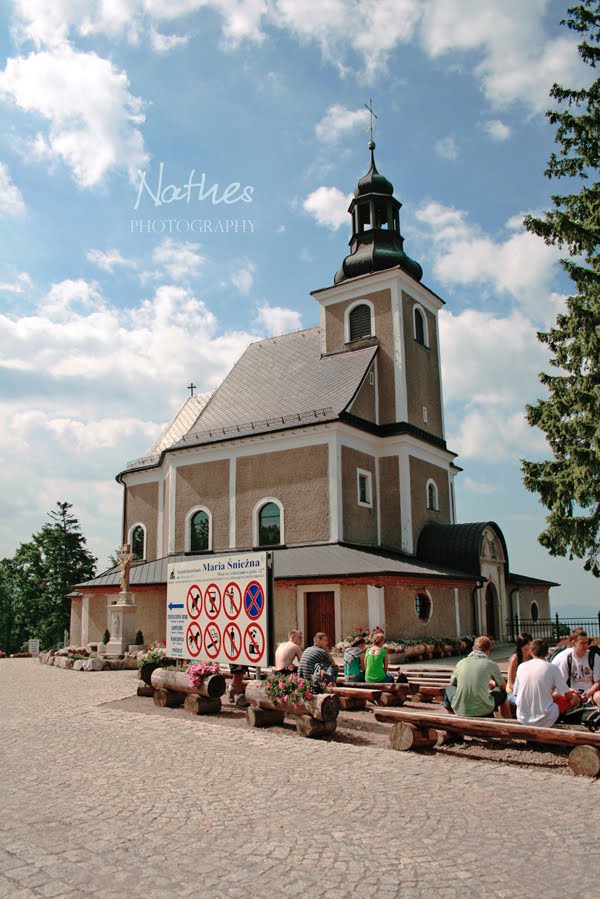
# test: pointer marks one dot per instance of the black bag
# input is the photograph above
(588, 715)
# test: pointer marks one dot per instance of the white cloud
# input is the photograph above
(179, 260)
(520, 265)
(328, 206)
(447, 148)
(277, 320)
(21, 284)
(478, 486)
(497, 130)
(109, 260)
(11, 198)
(516, 61)
(164, 43)
(243, 277)
(338, 121)
(490, 370)
(92, 116)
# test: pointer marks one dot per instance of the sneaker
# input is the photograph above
(231, 694)
(592, 721)
(241, 702)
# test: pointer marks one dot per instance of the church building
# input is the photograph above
(328, 447)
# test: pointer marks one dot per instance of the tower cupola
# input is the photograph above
(376, 243)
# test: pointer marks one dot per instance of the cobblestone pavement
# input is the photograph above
(97, 801)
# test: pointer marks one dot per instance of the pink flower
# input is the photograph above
(308, 695)
(281, 685)
(300, 681)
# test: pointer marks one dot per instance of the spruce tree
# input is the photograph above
(569, 483)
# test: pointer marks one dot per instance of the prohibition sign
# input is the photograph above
(254, 600)
(232, 641)
(193, 639)
(232, 600)
(212, 640)
(254, 642)
(212, 601)
(194, 601)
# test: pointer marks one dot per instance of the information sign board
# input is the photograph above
(218, 609)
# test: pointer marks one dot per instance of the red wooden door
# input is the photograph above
(320, 616)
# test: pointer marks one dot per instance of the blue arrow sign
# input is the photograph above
(175, 605)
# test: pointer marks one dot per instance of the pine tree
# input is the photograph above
(45, 570)
(569, 483)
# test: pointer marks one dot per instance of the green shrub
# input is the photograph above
(106, 636)
(139, 639)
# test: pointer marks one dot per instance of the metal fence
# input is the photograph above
(551, 629)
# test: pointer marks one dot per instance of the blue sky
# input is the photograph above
(108, 311)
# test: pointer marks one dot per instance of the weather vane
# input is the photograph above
(373, 116)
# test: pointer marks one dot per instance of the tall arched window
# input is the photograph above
(269, 525)
(419, 327)
(360, 322)
(199, 532)
(432, 496)
(423, 606)
(138, 541)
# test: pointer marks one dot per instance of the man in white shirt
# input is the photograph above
(575, 666)
(541, 691)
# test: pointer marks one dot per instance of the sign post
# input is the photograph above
(220, 608)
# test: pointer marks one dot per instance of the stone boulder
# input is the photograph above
(78, 665)
(93, 664)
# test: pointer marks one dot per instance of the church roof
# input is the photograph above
(278, 383)
(181, 424)
(300, 562)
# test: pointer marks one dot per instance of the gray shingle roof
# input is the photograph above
(279, 383)
(457, 543)
(327, 560)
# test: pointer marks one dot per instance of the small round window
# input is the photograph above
(423, 606)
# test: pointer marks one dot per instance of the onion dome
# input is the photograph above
(376, 243)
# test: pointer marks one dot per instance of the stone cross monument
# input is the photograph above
(121, 614)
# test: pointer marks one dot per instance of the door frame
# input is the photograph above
(301, 590)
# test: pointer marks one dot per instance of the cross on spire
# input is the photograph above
(191, 387)
(373, 116)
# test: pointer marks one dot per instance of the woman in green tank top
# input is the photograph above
(376, 662)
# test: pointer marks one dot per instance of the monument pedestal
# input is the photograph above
(121, 624)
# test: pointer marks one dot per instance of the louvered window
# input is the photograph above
(360, 322)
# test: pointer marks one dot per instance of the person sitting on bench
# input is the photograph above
(317, 659)
(376, 662)
(469, 693)
(354, 661)
(541, 691)
(287, 653)
(580, 666)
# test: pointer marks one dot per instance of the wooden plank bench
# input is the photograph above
(355, 698)
(419, 729)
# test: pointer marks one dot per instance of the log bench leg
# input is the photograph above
(201, 705)
(585, 760)
(391, 699)
(352, 703)
(307, 726)
(405, 736)
(168, 698)
(263, 717)
(144, 689)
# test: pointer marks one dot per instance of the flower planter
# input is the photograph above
(396, 658)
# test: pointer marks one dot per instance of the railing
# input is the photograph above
(551, 629)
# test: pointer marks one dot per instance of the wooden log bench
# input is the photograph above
(315, 717)
(355, 698)
(172, 688)
(414, 729)
(389, 694)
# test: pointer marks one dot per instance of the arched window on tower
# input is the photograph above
(419, 327)
(360, 322)
(432, 496)
(137, 541)
(269, 525)
(199, 532)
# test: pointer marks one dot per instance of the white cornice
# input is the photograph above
(364, 284)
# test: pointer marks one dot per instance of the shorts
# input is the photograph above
(563, 704)
(238, 669)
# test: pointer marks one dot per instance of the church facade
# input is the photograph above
(328, 447)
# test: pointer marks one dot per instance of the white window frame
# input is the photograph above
(138, 524)
(349, 309)
(188, 529)
(255, 529)
(361, 472)
(417, 306)
(436, 506)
